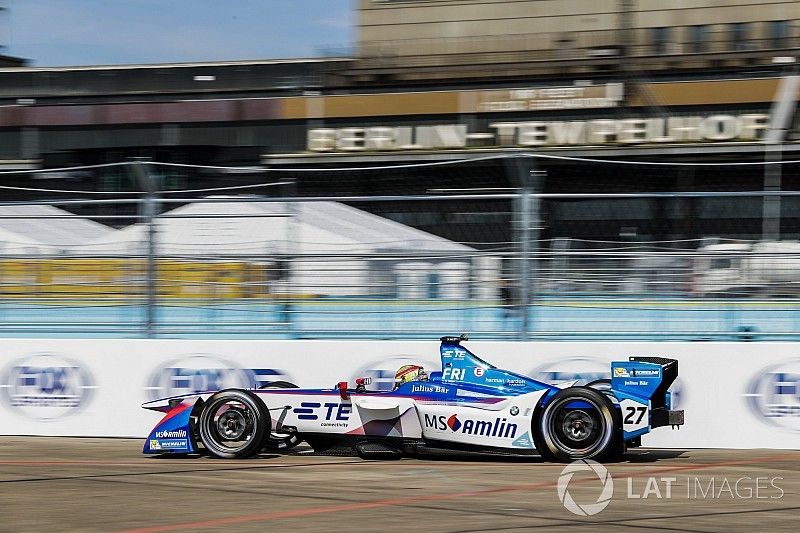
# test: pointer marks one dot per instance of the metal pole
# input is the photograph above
(534, 183)
(152, 283)
(149, 212)
(771, 223)
(782, 111)
(527, 224)
(525, 259)
(292, 269)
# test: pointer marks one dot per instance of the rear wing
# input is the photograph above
(669, 373)
(647, 380)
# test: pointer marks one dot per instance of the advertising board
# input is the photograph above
(736, 395)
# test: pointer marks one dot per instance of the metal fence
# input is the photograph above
(500, 264)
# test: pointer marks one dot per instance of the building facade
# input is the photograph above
(616, 80)
(445, 39)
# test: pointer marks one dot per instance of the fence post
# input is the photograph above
(527, 219)
(288, 309)
(148, 213)
(771, 220)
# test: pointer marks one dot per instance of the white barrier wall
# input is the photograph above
(736, 395)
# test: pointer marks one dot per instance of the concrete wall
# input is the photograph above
(736, 395)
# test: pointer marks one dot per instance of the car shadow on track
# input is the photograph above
(645, 455)
(195, 456)
(636, 455)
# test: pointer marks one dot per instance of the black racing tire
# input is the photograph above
(569, 433)
(280, 442)
(604, 386)
(538, 440)
(233, 424)
(616, 453)
(600, 384)
(278, 385)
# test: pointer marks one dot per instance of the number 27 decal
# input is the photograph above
(631, 416)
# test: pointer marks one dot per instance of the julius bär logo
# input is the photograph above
(46, 386)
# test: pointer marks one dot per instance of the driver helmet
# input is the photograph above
(408, 373)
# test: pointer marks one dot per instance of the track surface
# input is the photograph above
(59, 484)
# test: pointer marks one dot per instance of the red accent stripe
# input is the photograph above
(178, 409)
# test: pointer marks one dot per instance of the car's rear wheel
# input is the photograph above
(280, 442)
(578, 423)
(233, 424)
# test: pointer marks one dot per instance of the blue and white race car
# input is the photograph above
(469, 405)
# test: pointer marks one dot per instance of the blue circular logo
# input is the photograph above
(46, 386)
(773, 395)
(198, 373)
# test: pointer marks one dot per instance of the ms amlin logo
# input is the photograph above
(660, 488)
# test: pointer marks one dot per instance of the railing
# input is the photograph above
(326, 267)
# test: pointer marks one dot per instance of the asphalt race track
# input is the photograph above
(71, 484)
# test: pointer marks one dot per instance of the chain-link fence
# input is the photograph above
(498, 246)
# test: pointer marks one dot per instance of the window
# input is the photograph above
(699, 37)
(779, 33)
(721, 262)
(660, 40)
(739, 36)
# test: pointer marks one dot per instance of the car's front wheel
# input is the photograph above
(578, 423)
(233, 424)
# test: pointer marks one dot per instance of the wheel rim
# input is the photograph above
(231, 424)
(578, 432)
(578, 425)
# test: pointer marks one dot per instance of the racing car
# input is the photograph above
(468, 405)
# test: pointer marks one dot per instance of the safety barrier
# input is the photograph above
(736, 395)
(65, 279)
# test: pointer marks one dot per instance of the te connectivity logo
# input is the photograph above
(499, 427)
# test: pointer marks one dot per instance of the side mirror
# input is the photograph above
(343, 394)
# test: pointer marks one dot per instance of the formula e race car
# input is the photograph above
(469, 405)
